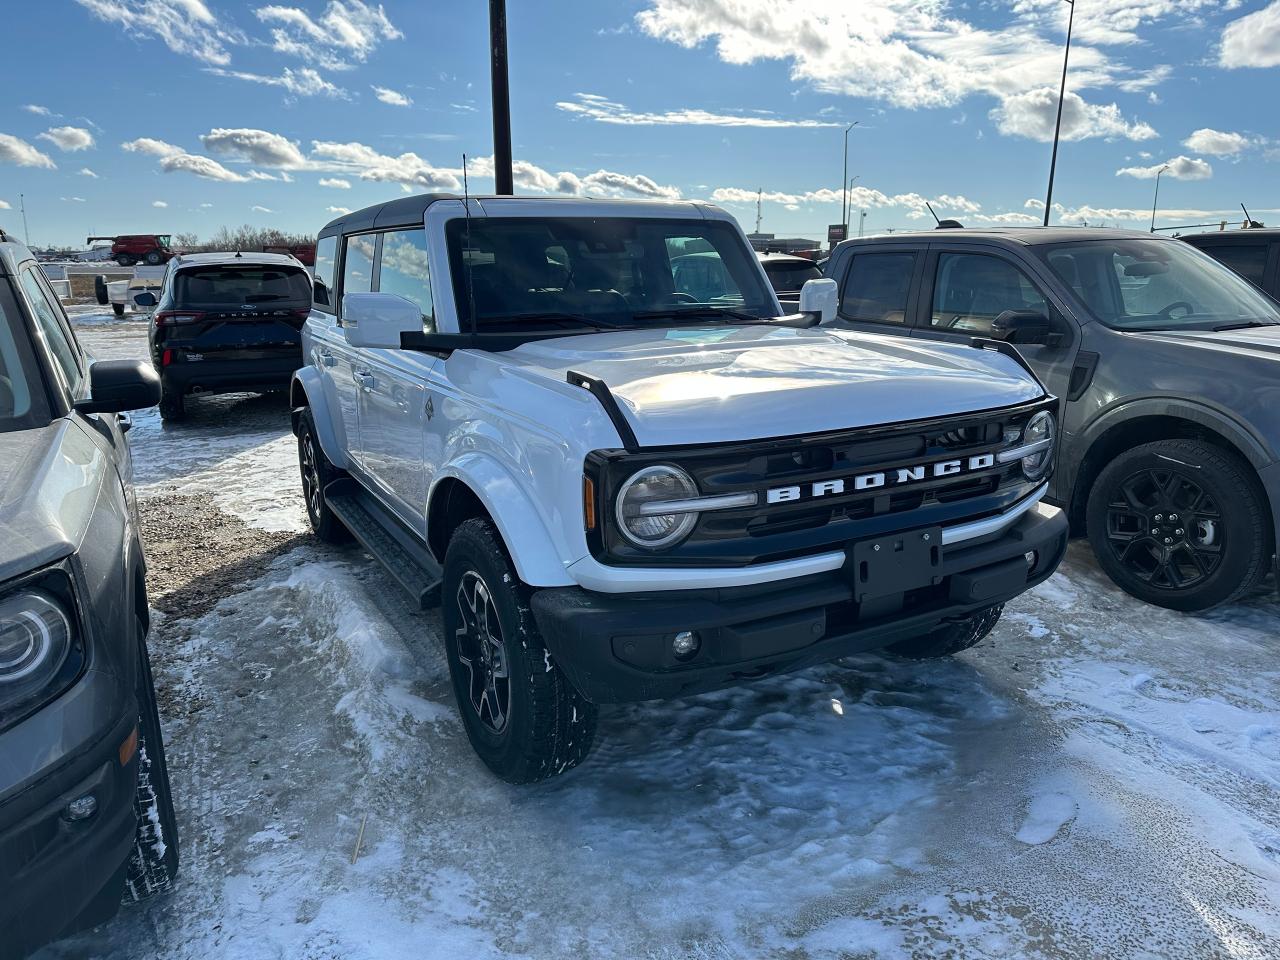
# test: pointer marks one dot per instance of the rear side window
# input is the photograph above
(326, 259)
(790, 277)
(876, 287)
(231, 287)
(973, 289)
(58, 339)
(357, 264)
(1247, 259)
(404, 272)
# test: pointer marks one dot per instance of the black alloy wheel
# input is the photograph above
(482, 653)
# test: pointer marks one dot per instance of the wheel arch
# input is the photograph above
(476, 485)
(307, 390)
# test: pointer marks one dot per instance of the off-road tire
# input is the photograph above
(173, 406)
(1244, 544)
(100, 290)
(950, 638)
(118, 309)
(154, 258)
(549, 726)
(153, 863)
(324, 522)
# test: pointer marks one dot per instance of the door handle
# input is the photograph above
(365, 380)
(327, 358)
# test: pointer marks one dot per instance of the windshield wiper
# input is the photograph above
(695, 313)
(1243, 324)
(552, 315)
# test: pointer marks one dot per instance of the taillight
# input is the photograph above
(166, 358)
(167, 318)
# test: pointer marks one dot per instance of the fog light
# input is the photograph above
(1032, 559)
(685, 644)
(82, 808)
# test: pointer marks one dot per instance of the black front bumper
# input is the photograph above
(618, 647)
(58, 876)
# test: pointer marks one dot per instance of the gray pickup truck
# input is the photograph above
(86, 816)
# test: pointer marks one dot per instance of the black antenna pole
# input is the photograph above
(1248, 220)
(504, 184)
(1057, 129)
(467, 253)
(935, 216)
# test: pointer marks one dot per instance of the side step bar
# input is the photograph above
(383, 535)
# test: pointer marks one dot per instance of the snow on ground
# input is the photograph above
(1098, 779)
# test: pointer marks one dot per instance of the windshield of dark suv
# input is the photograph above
(23, 403)
(788, 277)
(1137, 284)
(524, 273)
(234, 287)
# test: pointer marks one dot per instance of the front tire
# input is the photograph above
(153, 864)
(118, 309)
(524, 718)
(1179, 523)
(317, 473)
(154, 258)
(950, 638)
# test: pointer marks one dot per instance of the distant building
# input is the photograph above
(768, 243)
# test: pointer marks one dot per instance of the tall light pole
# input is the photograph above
(1057, 130)
(503, 181)
(1156, 198)
(22, 205)
(844, 177)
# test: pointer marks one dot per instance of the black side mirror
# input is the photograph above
(145, 299)
(119, 385)
(1024, 326)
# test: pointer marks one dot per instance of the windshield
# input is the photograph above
(790, 277)
(529, 273)
(233, 287)
(22, 398)
(1136, 284)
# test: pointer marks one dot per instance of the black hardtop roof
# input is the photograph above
(1239, 234)
(1010, 236)
(403, 212)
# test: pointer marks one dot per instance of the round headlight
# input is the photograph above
(1040, 427)
(35, 637)
(637, 518)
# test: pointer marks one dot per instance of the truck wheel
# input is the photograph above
(154, 861)
(950, 638)
(154, 258)
(118, 309)
(318, 473)
(1179, 523)
(100, 290)
(173, 406)
(524, 718)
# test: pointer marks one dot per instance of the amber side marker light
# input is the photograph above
(589, 502)
(129, 748)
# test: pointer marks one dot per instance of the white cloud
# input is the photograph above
(347, 30)
(281, 177)
(1179, 168)
(256, 208)
(159, 203)
(1253, 40)
(4, 205)
(14, 150)
(908, 53)
(256, 146)
(598, 108)
(1113, 23)
(1033, 204)
(205, 206)
(86, 172)
(393, 97)
(1216, 143)
(69, 139)
(407, 169)
(1033, 114)
(1007, 218)
(152, 147)
(39, 111)
(205, 167)
(75, 199)
(337, 210)
(860, 197)
(336, 183)
(186, 27)
(304, 82)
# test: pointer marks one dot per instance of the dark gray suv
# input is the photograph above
(86, 817)
(1168, 369)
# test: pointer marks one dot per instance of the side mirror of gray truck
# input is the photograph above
(820, 297)
(377, 319)
(1025, 326)
(119, 385)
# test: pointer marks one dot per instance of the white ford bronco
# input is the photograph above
(624, 478)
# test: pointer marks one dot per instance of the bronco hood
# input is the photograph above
(49, 480)
(723, 384)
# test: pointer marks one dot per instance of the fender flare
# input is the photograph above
(519, 523)
(306, 381)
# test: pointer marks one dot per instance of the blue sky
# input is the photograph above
(185, 115)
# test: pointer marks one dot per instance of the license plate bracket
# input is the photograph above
(896, 563)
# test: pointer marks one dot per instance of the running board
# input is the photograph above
(396, 548)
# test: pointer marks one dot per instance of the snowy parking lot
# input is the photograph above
(1099, 778)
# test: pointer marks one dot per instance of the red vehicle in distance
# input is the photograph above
(128, 249)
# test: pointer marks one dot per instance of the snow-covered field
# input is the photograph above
(1100, 778)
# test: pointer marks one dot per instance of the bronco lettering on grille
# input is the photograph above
(895, 477)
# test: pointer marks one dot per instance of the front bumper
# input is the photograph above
(617, 647)
(59, 876)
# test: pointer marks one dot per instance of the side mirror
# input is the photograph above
(378, 319)
(145, 299)
(1024, 326)
(820, 297)
(119, 385)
